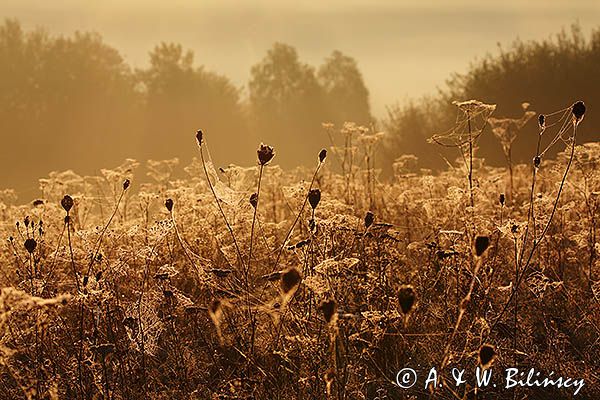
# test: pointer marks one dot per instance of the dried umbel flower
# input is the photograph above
(542, 121)
(369, 219)
(314, 197)
(329, 309)
(265, 154)
(290, 280)
(67, 203)
(30, 245)
(126, 184)
(481, 245)
(487, 354)
(578, 110)
(406, 298)
(254, 200)
(199, 135)
(502, 199)
(169, 204)
(322, 155)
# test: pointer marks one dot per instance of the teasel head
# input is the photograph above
(481, 245)
(199, 136)
(289, 281)
(254, 200)
(30, 245)
(369, 219)
(329, 309)
(542, 121)
(578, 110)
(67, 203)
(314, 197)
(322, 155)
(406, 298)
(265, 154)
(169, 204)
(487, 355)
(502, 199)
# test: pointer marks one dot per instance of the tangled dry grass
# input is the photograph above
(259, 283)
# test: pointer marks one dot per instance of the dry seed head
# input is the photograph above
(481, 245)
(406, 298)
(126, 184)
(30, 245)
(254, 200)
(199, 136)
(329, 309)
(542, 121)
(369, 219)
(487, 354)
(169, 204)
(314, 197)
(67, 203)
(322, 155)
(265, 154)
(578, 111)
(536, 161)
(502, 199)
(290, 279)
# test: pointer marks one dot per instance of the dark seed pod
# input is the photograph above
(254, 200)
(27, 221)
(169, 204)
(30, 245)
(290, 279)
(406, 298)
(536, 161)
(542, 121)
(578, 110)
(481, 245)
(322, 155)
(502, 199)
(199, 135)
(329, 308)
(38, 202)
(314, 197)
(487, 354)
(67, 203)
(369, 218)
(265, 154)
(126, 184)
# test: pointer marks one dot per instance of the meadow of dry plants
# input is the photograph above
(316, 283)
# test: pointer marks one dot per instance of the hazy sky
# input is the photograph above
(404, 48)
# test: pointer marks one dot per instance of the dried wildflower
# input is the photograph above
(265, 154)
(169, 204)
(578, 111)
(314, 197)
(30, 245)
(199, 135)
(536, 161)
(254, 200)
(67, 203)
(502, 199)
(481, 245)
(126, 184)
(369, 218)
(322, 155)
(406, 298)
(487, 354)
(290, 279)
(329, 308)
